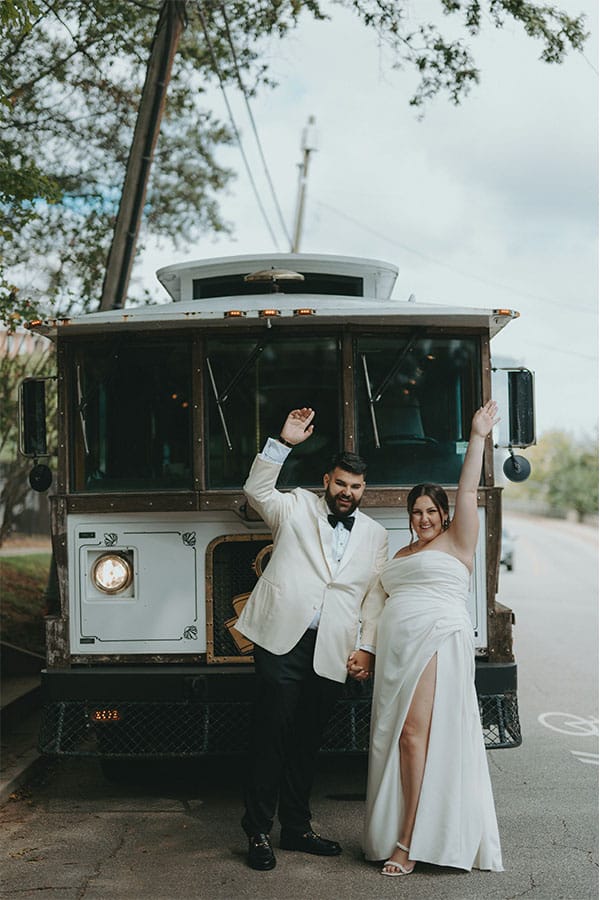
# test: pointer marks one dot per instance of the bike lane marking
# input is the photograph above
(574, 726)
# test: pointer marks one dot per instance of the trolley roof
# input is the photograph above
(215, 283)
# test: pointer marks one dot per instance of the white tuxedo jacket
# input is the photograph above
(299, 579)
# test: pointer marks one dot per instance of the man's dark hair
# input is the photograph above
(349, 462)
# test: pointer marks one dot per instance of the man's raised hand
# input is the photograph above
(297, 427)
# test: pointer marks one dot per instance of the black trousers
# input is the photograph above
(292, 708)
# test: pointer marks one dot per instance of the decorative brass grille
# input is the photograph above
(230, 573)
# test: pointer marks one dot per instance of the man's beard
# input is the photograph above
(335, 509)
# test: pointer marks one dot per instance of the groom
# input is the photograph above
(306, 616)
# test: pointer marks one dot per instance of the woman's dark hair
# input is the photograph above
(439, 498)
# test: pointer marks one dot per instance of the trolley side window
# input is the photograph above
(131, 418)
(415, 399)
(251, 383)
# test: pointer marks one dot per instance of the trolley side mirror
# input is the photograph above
(33, 441)
(513, 389)
(521, 408)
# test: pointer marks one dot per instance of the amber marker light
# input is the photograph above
(105, 715)
(507, 312)
(234, 314)
(269, 313)
(304, 311)
(34, 323)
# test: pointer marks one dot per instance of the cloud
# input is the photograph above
(493, 203)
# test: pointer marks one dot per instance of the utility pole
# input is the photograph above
(171, 23)
(309, 144)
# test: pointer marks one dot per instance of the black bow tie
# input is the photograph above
(347, 521)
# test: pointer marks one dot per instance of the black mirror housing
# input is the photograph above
(33, 438)
(521, 408)
(513, 389)
(32, 415)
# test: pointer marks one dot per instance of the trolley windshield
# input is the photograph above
(415, 399)
(145, 416)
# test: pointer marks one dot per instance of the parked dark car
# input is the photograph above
(507, 550)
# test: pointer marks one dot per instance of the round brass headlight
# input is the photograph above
(112, 573)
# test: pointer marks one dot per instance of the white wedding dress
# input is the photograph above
(425, 614)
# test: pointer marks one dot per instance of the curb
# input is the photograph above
(19, 775)
(20, 721)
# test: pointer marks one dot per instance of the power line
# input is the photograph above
(233, 124)
(253, 123)
(562, 350)
(439, 262)
(467, 275)
(589, 62)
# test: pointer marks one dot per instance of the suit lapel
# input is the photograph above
(325, 536)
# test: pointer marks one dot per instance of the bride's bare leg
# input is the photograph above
(414, 741)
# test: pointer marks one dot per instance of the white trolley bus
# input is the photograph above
(161, 410)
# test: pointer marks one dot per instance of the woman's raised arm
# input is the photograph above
(464, 527)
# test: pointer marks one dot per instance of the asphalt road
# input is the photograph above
(70, 835)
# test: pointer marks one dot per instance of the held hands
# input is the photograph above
(360, 665)
(297, 427)
(485, 418)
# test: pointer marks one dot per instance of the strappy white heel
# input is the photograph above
(400, 869)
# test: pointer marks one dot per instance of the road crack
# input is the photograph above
(102, 862)
(532, 887)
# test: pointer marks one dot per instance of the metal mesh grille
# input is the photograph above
(145, 729)
(185, 728)
(232, 575)
(500, 720)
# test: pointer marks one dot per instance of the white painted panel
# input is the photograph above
(164, 610)
(162, 604)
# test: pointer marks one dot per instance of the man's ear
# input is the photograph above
(326, 480)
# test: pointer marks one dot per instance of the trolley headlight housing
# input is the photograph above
(112, 573)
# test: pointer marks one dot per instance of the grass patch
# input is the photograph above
(23, 580)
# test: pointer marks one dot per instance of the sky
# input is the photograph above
(492, 204)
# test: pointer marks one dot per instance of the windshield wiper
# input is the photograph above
(405, 350)
(219, 404)
(220, 398)
(81, 406)
(371, 401)
(375, 397)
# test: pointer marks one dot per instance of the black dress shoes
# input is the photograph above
(260, 852)
(309, 842)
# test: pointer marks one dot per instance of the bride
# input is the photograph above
(429, 795)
